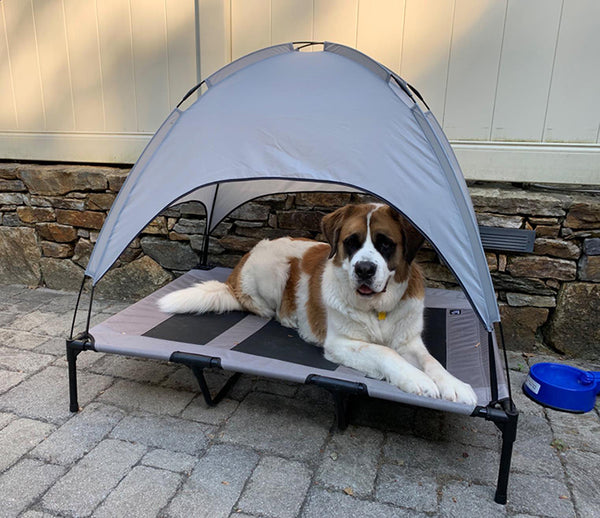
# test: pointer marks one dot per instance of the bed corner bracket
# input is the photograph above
(197, 363)
(82, 342)
(341, 390)
(505, 418)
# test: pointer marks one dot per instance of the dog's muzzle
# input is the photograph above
(364, 272)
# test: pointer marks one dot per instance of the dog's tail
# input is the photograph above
(209, 296)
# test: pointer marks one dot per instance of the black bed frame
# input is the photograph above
(502, 412)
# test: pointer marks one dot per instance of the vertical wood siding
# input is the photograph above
(109, 66)
(491, 70)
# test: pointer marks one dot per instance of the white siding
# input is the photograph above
(573, 105)
(515, 84)
(525, 69)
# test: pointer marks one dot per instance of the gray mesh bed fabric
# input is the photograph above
(250, 344)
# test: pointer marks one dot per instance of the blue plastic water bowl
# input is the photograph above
(562, 387)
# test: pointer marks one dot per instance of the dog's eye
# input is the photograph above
(384, 245)
(352, 244)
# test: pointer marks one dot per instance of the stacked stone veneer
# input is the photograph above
(50, 217)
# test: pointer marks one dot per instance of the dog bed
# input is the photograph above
(249, 344)
(280, 121)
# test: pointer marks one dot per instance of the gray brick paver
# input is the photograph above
(27, 361)
(146, 398)
(6, 417)
(280, 425)
(21, 339)
(45, 394)
(36, 514)
(276, 489)
(443, 458)
(335, 504)
(170, 460)
(20, 436)
(578, 431)
(78, 435)
(583, 474)
(215, 484)
(197, 410)
(533, 451)
(90, 481)
(142, 493)
(24, 483)
(539, 496)
(8, 379)
(145, 371)
(461, 499)
(166, 432)
(35, 320)
(407, 487)
(351, 460)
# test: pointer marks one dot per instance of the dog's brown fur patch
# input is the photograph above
(337, 226)
(288, 299)
(313, 264)
(234, 284)
(416, 283)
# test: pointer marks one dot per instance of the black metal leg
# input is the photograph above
(212, 401)
(82, 342)
(342, 408)
(72, 364)
(341, 390)
(509, 434)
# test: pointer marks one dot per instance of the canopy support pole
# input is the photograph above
(493, 372)
(206, 239)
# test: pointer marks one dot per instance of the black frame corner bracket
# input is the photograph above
(82, 342)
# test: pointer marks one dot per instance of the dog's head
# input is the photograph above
(372, 243)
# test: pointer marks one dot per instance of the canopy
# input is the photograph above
(282, 120)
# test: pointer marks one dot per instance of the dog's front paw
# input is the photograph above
(412, 380)
(455, 390)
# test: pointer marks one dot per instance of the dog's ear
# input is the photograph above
(413, 239)
(331, 226)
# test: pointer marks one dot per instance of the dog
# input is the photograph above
(360, 296)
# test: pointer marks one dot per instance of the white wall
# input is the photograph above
(514, 83)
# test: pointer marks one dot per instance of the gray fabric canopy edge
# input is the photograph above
(281, 120)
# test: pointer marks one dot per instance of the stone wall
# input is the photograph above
(50, 217)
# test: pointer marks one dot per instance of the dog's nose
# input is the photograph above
(365, 270)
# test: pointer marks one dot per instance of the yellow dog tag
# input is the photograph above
(381, 315)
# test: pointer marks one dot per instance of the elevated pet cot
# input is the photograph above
(277, 121)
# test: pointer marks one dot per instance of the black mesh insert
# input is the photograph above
(434, 333)
(195, 329)
(281, 343)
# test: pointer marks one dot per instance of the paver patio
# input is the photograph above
(145, 444)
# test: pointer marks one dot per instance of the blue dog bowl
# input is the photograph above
(562, 387)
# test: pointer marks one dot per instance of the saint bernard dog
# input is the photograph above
(360, 297)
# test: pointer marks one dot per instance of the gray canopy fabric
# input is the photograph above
(281, 120)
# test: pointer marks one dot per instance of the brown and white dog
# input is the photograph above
(360, 297)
